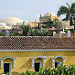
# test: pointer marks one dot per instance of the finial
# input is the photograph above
(40, 15)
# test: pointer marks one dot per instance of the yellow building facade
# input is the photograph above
(17, 54)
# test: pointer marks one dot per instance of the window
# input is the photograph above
(58, 60)
(57, 64)
(37, 66)
(7, 67)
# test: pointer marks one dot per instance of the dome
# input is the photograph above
(4, 26)
(11, 20)
(50, 14)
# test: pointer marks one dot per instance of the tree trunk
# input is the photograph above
(74, 30)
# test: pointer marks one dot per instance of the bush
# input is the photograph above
(15, 34)
(3, 34)
(66, 30)
(41, 33)
(60, 70)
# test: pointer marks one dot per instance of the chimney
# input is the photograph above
(53, 28)
(74, 33)
(54, 33)
(69, 33)
(61, 34)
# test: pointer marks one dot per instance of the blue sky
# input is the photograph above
(29, 9)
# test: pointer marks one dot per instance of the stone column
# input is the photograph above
(53, 60)
(32, 63)
(1, 64)
(63, 61)
(14, 63)
(44, 62)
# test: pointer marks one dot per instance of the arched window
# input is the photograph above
(37, 64)
(58, 63)
(8, 58)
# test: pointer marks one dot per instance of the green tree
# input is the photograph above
(3, 34)
(15, 34)
(68, 11)
(26, 30)
(59, 25)
(41, 33)
(49, 23)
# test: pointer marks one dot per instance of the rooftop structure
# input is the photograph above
(49, 15)
(37, 42)
(11, 20)
(19, 54)
(4, 26)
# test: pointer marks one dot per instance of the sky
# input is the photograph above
(30, 9)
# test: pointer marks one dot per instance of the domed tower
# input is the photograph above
(11, 20)
(49, 15)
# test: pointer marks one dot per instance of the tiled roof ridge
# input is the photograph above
(34, 37)
(36, 42)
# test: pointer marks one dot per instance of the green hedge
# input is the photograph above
(60, 70)
(66, 30)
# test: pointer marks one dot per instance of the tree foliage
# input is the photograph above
(15, 34)
(68, 11)
(49, 23)
(60, 70)
(41, 33)
(59, 25)
(26, 30)
(2, 34)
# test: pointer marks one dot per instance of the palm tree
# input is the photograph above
(68, 11)
(26, 30)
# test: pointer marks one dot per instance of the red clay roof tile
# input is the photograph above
(36, 42)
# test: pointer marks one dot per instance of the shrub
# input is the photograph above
(60, 70)
(3, 34)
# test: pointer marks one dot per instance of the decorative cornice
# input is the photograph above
(5, 50)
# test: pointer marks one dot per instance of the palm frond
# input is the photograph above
(62, 10)
(68, 15)
(68, 6)
(72, 10)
